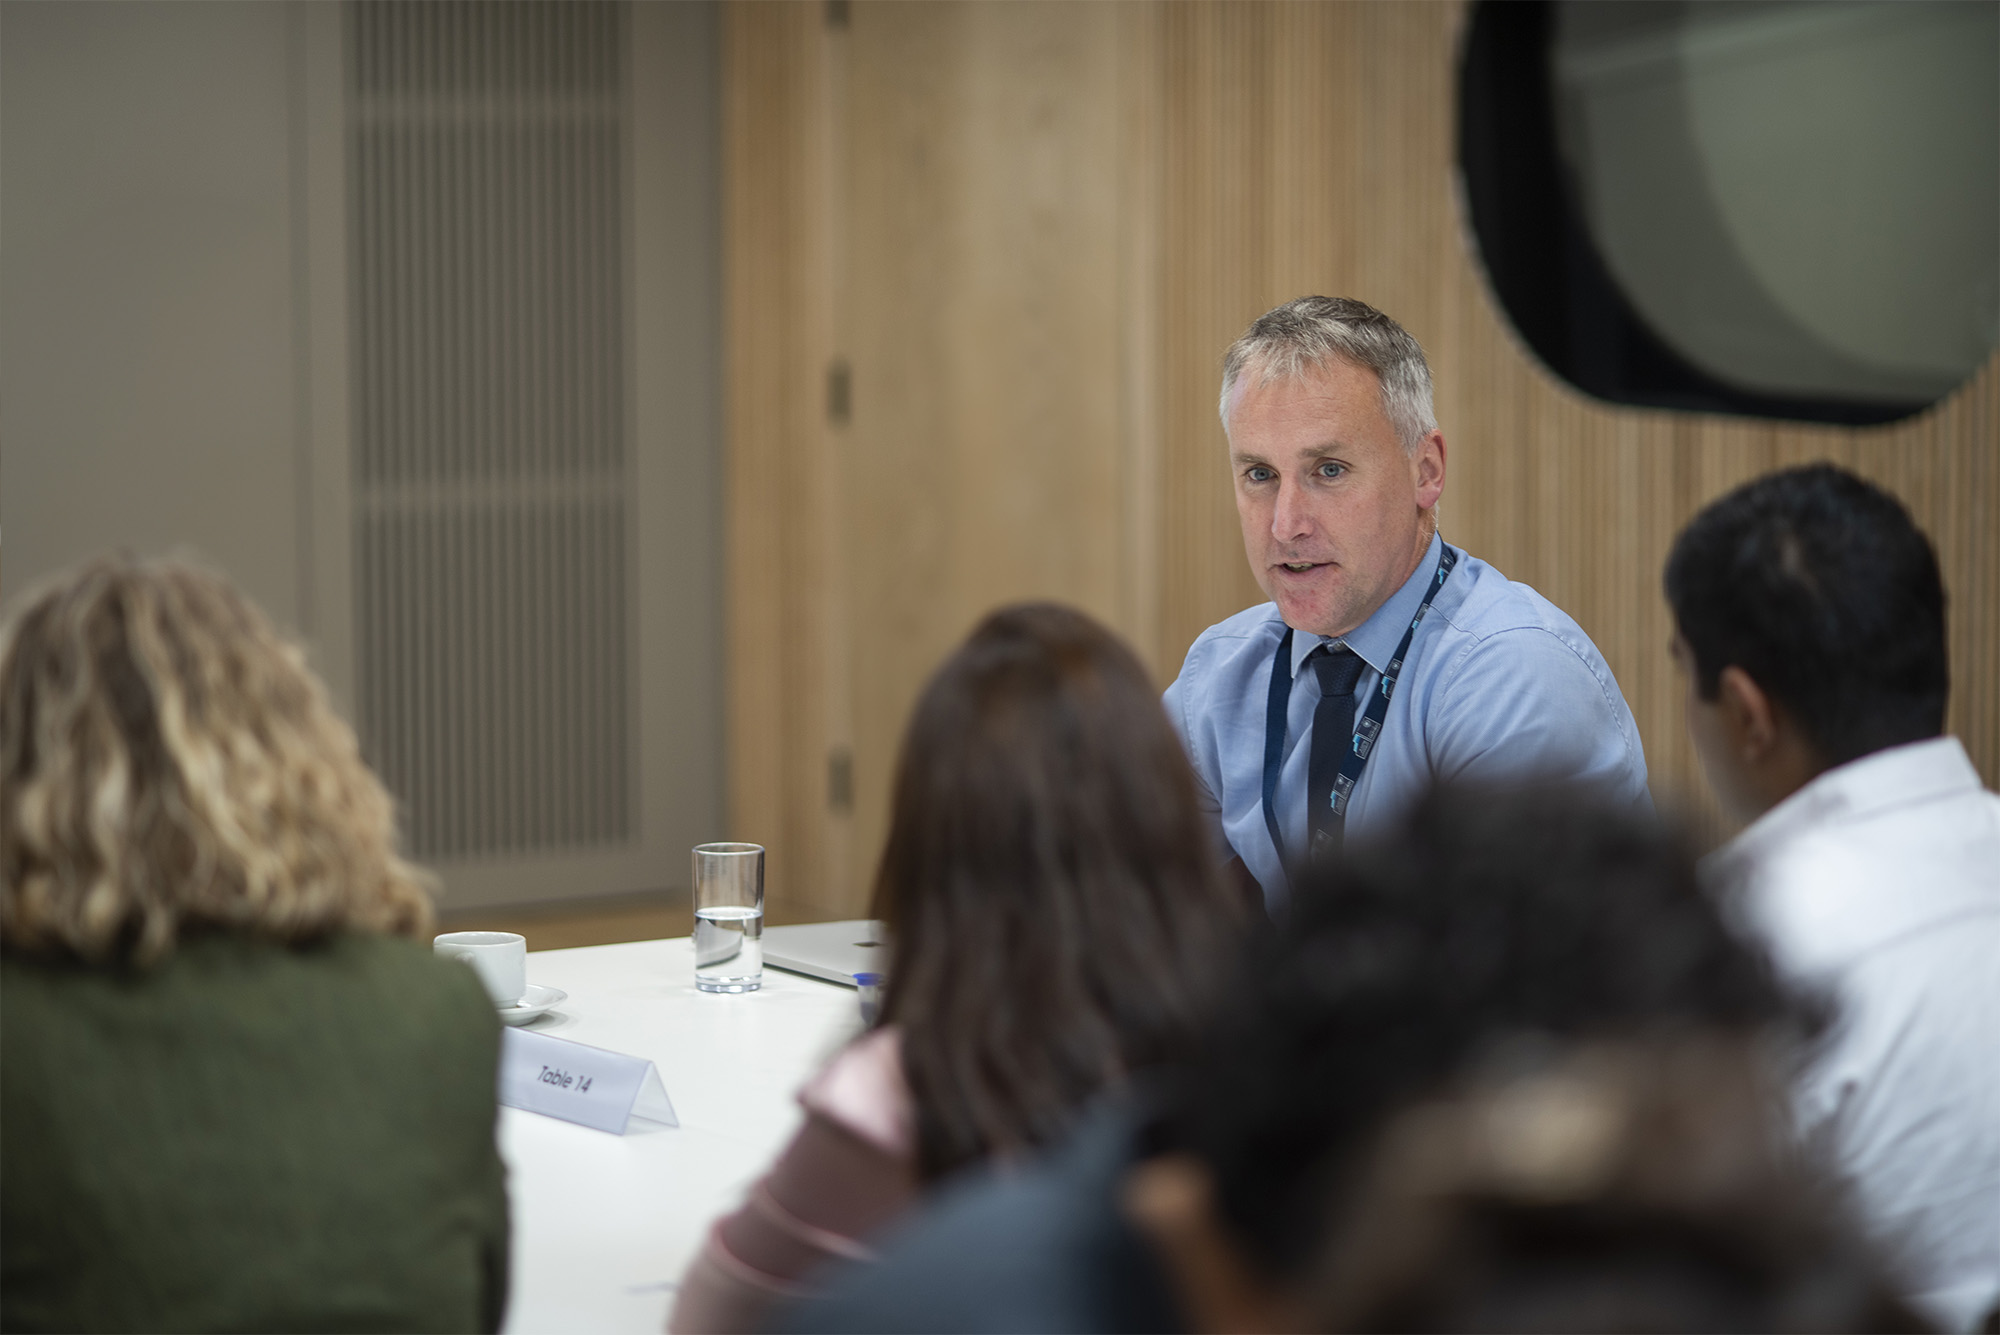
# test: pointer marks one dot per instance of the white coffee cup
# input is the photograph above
(499, 958)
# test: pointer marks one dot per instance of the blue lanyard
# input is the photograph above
(1278, 703)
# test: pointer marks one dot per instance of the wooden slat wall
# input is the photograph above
(783, 618)
(981, 323)
(1033, 230)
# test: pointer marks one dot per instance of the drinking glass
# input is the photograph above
(729, 917)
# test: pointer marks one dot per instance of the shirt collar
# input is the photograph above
(1376, 638)
(1893, 777)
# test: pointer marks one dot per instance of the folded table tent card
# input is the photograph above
(578, 1083)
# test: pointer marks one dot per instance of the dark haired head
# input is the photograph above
(1817, 585)
(1057, 918)
(1491, 917)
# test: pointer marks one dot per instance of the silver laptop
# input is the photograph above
(835, 951)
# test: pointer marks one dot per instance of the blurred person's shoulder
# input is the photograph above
(389, 974)
(864, 1091)
(225, 982)
(411, 970)
(434, 1010)
(1040, 1246)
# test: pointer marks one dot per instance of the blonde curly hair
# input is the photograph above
(168, 761)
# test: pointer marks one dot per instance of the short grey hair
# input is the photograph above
(1306, 333)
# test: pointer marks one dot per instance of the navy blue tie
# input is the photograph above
(1332, 738)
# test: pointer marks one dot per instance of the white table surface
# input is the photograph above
(603, 1224)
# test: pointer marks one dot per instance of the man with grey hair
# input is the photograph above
(1386, 660)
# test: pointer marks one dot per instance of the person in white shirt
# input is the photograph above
(1810, 628)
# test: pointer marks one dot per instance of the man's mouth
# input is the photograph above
(1300, 567)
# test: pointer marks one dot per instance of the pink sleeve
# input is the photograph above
(849, 1170)
(862, 1090)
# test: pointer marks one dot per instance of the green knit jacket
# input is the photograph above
(251, 1137)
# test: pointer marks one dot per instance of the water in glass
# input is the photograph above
(728, 948)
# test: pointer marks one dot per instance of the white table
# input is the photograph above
(604, 1225)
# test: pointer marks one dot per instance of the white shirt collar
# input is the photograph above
(1879, 781)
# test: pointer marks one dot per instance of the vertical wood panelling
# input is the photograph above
(1138, 485)
(779, 477)
(1212, 225)
(907, 117)
(934, 196)
(985, 462)
(1032, 231)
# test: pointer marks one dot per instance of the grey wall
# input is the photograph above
(147, 310)
(173, 351)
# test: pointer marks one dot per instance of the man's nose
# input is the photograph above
(1291, 518)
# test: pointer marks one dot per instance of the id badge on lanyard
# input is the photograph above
(1366, 729)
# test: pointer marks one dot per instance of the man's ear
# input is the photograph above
(1748, 715)
(1428, 464)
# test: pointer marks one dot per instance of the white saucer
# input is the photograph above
(532, 1006)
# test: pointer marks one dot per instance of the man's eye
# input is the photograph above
(1332, 470)
(1259, 474)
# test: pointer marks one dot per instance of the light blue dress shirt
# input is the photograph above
(1499, 685)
